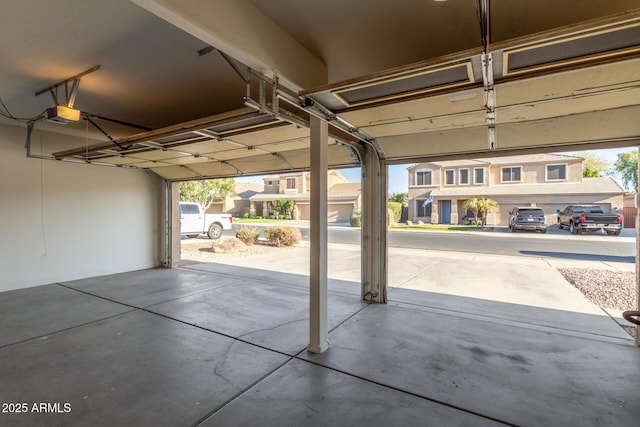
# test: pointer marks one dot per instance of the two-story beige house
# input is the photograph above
(238, 202)
(437, 190)
(344, 198)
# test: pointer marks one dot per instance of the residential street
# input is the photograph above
(554, 244)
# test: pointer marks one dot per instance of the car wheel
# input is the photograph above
(572, 228)
(560, 227)
(544, 230)
(513, 228)
(215, 231)
(613, 232)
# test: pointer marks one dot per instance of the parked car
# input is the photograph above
(193, 221)
(528, 218)
(581, 218)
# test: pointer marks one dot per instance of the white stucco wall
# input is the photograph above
(61, 221)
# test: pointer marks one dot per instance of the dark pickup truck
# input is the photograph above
(580, 218)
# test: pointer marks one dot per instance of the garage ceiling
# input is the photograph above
(211, 89)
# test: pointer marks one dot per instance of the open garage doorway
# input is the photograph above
(451, 252)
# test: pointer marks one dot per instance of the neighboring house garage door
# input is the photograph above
(304, 211)
(339, 213)
(335, 212)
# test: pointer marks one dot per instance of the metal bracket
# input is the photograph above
(318, 110)
(70, 88)
(283, 160)
(490, 100)
(226, 162)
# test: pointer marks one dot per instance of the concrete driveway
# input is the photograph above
(513, 288)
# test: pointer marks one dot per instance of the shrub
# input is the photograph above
(396, 208)
(282, 236)
(246, 215)
(248, 235)
(355, 220)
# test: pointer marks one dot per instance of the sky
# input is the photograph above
(398, 179)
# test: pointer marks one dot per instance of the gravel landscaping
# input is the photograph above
(607, 289)
(195, 251)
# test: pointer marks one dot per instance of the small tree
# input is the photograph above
(283, 206)
(627, 166)
(206, 191)
(473, 205)
(402, 198)
(395, 209)
(487, 206)
(593, 166)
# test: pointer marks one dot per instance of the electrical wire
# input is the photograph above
(44, 233)
(4, 112)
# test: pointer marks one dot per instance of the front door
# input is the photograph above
(445, 214)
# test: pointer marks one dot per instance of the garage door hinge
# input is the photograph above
(489, 99)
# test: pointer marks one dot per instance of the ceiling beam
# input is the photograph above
(239, 29)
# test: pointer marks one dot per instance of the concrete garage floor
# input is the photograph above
(510, 342)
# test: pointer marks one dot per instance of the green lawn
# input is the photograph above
(437, 227)
(257, 220)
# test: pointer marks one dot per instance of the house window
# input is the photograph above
(269, 183)
(463, 178)
(423, 178)
(423, 210)
(478, 176)
(557, 172)
(449, 177)
(512, 174)
(291, 183)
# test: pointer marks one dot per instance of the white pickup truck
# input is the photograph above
(193, 221)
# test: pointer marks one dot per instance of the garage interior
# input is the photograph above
(106, 106)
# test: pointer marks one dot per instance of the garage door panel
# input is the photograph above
(159, 155)
(150, 165)
(117, 160)
(595, 126)
(435, 143)
(279, 147)
(235, 154)
(339, 212)
(258, 164)
(337, 155)
(213, 169)
(427, 125)
(577, 82)
(281, 133)
(565, 107)
(211, 146)
(189, 160)
(459, 102)
(175, 172)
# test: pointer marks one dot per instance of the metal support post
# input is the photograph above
(318, 318)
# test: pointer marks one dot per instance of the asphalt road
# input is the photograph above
(555, 243)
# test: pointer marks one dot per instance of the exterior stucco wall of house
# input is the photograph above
(532, 173)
